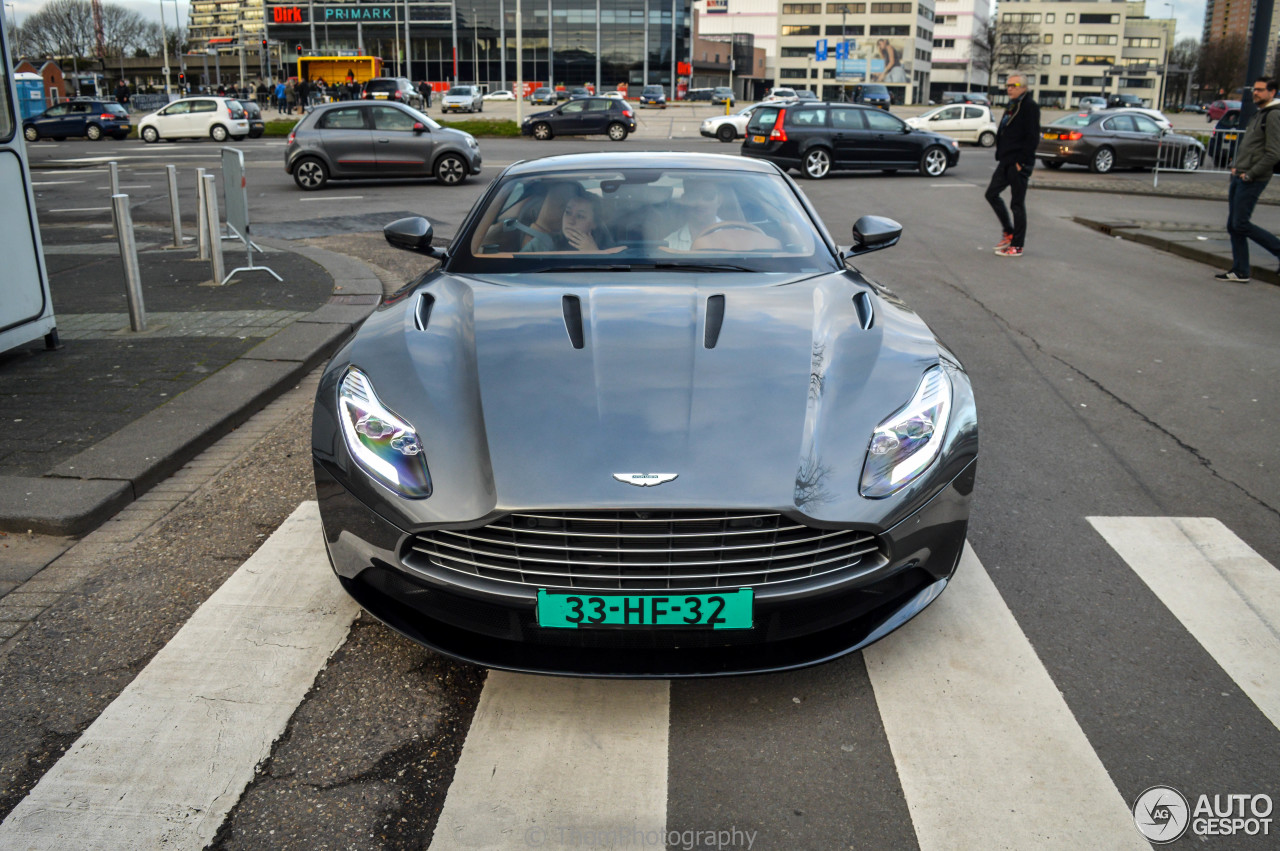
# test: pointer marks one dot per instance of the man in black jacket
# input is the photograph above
(1016, 143)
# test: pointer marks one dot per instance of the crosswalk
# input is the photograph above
(984, 748)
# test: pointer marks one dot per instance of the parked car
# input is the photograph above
(966, 122)
(1092, 103)
(616, 94)
(462, 99)
(583, 117)
(349, 140)
(92, 119)
(872, 94)
(1103, 141)
(1218, 108)
(1192, 107)
(722, 94)
(1154, 114)
(500, 94)
(726, 128)
(543, 95)
(699, 94)
(1225, 138)
(653, 96)
(779, 93)
(966, 97)
(399, 89)
(577, 92)
(818, 138)
(514, 534)
(253, 112)
(1123, 101)
(196, 118)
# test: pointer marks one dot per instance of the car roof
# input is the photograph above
(641, 159)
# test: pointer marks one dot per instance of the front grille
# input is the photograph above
(657, 550)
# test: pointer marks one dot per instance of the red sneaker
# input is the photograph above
(1009, 251)
(1005, 241)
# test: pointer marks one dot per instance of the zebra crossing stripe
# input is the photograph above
(1224, 593)
(988, 753)
(560, 762)
(163, 765)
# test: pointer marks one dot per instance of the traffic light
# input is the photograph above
(182, 79)
(299, 50)
(264, 44)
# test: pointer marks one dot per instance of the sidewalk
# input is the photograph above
(1205, 244)
(92, 426)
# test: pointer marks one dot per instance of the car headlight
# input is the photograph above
(471, 141)
(385, 446)
(904, 445)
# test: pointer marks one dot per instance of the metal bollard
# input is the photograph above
(213, 226)
(113, 172)
(202, 226)
(173, 205)
(123, 221)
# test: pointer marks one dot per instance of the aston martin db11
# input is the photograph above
(645, 419)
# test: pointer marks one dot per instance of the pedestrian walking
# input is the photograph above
(1256, 158)
(1016, 141)
(280, 97)
(424, 89)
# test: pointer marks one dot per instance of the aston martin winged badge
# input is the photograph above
(645, 480)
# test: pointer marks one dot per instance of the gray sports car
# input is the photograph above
(645, 420)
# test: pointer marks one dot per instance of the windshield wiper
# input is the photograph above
(612, 267)
(699, 267)
(649, 267)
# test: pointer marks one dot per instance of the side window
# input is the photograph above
(179, 108)
(58, 111)
(573, 107)
(390, 118)
(848, 119)
(808, 117)
(973, 112)
(951, 113)
(598, 105)
(1146, 125)
(79, 109)
(204, 106)
(880, 120)
(351, 118)
(1120, 124)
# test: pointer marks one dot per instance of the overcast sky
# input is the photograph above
(1190, 13)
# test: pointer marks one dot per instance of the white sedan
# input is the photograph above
(726, 128)
(967, 122)
(501, 94)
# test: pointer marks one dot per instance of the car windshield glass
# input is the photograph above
(763, 119)
(627, 220)
(460, 91)
(1072, 121)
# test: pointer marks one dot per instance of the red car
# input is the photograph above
(1219, 107)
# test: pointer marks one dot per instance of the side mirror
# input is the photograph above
(419, 128)
(412, 234)
(872, 233)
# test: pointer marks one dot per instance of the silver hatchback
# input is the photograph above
(362, 140)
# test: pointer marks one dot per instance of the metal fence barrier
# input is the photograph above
(1176, 156)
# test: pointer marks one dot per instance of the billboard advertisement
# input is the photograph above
(885, 59)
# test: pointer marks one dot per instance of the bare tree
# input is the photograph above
(65, 28)
(1222, 63)
(1005, 44)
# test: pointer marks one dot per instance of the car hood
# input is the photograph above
(511, 416)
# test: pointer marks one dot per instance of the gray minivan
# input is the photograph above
(369, 140)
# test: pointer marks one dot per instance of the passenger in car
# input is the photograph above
(581, 227)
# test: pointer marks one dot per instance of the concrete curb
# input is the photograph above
(85, 490)
(1134, 233)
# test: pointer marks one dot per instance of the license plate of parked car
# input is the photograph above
(759, 140)
(725, 610)
(1051, 135)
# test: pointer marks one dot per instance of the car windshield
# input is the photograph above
(637, 219)
(1073, 121)
(460, 91)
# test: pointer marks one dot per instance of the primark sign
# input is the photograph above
(346, 13)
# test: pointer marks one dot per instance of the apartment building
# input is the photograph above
(720, 20)
(1074, 48)
(225, 22)
(888, 42)
(959, 66)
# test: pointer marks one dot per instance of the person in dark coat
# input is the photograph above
(1016, 142)
(122, 94)
(424, 89)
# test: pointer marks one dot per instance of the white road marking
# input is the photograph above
(988, 753)
(552, 754)
(80, 210)
(129, 186)
(54, 182)
(1223, 592)
(334, 198)
(163, 765)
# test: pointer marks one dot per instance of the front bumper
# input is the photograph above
(796, 624)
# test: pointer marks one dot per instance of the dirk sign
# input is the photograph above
(286, 15)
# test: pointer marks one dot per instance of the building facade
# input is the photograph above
(828, 47)
(565, 42)
(224, 22)
(1074, 48)
(959, 65)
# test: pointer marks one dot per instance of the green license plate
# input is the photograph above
(727, 610)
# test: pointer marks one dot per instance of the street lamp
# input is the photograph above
(1168, 50)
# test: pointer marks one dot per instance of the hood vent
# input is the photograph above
(573, 319)
(715, 318)
(866, 316)
(424, 311)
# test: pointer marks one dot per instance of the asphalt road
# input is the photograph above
(1113, 381)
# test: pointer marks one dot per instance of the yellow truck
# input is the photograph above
(334, 69)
